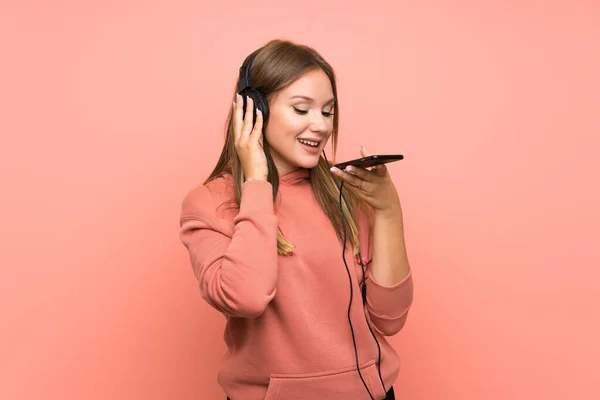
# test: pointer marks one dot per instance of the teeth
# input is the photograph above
(313, 144)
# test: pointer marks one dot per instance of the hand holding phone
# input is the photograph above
(375, 186)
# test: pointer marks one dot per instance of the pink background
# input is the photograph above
(111, 111)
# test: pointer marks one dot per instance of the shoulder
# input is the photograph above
(214, 199)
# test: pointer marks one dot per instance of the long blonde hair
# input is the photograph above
(275, 66)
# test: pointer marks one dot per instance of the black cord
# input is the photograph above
(363, 292)
(351, 296)
(364, 295)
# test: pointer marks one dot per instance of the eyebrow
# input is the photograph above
(332, 100)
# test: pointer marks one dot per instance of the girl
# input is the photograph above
(310, 285)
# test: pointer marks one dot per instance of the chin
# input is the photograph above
(307, 161)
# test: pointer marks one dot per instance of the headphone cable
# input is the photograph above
(363, 291)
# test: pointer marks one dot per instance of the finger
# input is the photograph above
(364, 152)
(237, 116)
(351, 179)
(257, 130)
(359, 172)
(380, 170)
(247, 126)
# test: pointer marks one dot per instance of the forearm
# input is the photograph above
(390, 261)
(237, 269)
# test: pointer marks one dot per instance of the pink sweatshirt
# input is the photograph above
(287, 316)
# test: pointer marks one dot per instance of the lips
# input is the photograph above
(309, 146)
(310, 142)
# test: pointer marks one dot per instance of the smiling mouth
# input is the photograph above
(309, 143)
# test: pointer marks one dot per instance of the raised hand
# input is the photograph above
(248, 140)
(374, 185)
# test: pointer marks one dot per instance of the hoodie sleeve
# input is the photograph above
(387, 306)
(236, 265)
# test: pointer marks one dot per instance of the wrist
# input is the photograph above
(256, 178)
(394, 212)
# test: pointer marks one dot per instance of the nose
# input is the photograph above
(318, 123)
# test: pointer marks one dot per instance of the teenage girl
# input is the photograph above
(311, 282)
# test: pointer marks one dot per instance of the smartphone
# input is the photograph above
(371, 161)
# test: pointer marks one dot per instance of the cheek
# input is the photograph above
(283, 127)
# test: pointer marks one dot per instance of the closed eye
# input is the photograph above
(304, 112)
(299, 111)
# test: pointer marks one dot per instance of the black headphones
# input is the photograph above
(245, 88)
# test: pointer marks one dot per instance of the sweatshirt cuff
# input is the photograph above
(257, 196)
(389, 302)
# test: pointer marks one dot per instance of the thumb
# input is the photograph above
(364, 152)
(380, 170)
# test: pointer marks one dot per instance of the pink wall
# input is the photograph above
(110, 112)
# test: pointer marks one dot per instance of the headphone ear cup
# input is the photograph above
(262, 105)
(259, 102)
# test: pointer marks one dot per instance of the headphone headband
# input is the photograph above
(248, 90)
(244, 82)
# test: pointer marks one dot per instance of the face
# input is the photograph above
(300, 122)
